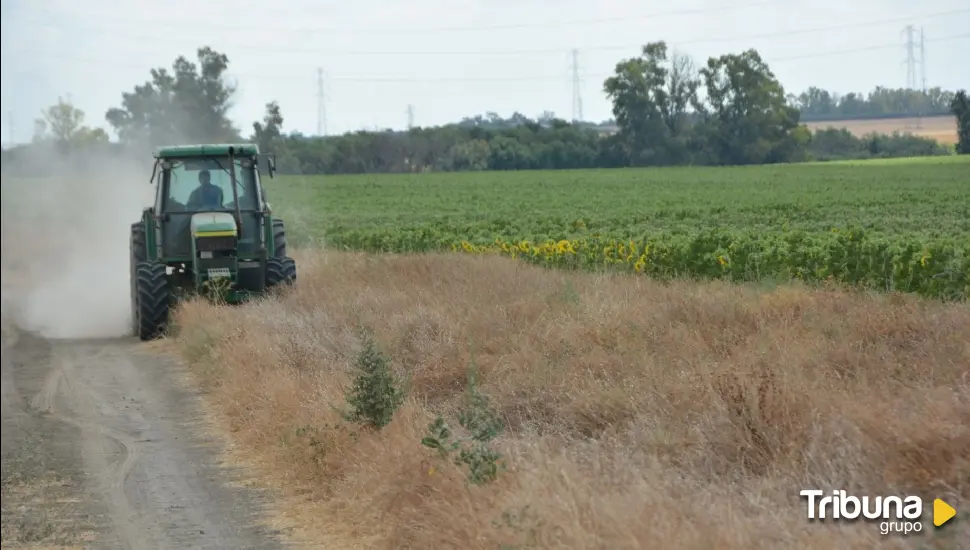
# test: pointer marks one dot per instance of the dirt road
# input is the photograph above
(101, 450)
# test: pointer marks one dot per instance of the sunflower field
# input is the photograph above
(888, 226)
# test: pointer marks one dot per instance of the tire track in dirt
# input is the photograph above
(44, 504)
(61, 378)
(129, 433)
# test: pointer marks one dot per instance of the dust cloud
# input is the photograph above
(66, 225)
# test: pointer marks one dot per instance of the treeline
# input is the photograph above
(817, 104)
(532, 146)
(731, 110)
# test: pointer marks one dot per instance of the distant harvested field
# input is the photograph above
(940, 128)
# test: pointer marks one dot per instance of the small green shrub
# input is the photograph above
(216, 290)
(482, 424)
(376, 394)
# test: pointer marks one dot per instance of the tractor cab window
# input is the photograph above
(205, 184)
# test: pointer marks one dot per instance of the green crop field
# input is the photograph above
(890, 226)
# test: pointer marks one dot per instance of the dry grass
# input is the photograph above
(639, 415)
(941, 128)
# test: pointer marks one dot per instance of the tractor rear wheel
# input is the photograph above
(152, 300)
(280, 271)
(138, 253)
(279, 238)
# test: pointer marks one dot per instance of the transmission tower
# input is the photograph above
(910, 58)
(922, 57)
(410, 116)
(577, 96)
(321, 105)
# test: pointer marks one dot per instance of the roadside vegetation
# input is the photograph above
(589, 410)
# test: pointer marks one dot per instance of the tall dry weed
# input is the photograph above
(637, 415)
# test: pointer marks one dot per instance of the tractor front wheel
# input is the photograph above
(280, 271)
(152, 300)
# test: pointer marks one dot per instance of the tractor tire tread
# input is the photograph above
(280, 271)
(153, 299)
(138, 251)
(279, 238)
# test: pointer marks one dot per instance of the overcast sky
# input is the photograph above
(448, 58)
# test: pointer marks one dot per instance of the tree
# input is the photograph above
(651, 96)
(188, 104)
(268, 133)
(61, 121)
(751, 121)
(63, 124)
(817, 102)
(960, 107)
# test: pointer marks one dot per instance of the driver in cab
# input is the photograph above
(205, 195)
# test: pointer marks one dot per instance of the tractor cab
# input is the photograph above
(221, 182)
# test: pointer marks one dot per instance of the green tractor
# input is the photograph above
(209, 232)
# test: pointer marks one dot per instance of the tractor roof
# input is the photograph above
(209, 149)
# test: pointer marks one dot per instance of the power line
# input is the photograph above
(405, 30)
(105, 62)
(857, 50)
(248, 46)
